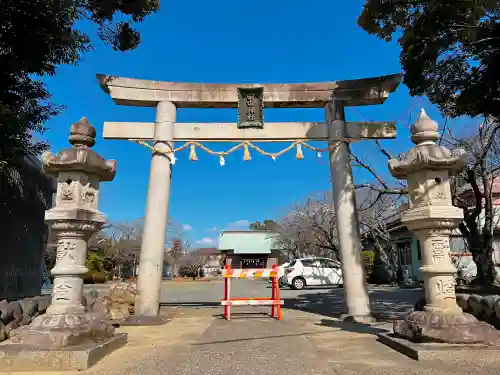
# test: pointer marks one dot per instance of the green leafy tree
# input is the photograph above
(95, 261)
(450, 50)
(36, 36)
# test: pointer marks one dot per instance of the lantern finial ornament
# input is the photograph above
(82, 134)
(424, 129)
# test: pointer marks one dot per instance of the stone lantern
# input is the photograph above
(432, 217)
(73, 219)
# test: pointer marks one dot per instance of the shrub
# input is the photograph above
(191, 270)
(368, 262)
(95, 277)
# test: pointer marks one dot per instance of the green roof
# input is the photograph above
(247, 242)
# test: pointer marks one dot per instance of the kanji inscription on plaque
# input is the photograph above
(251, 107)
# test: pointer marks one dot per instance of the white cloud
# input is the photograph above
(187, 227)
(214, 229)
(240, 224)
(207, 241)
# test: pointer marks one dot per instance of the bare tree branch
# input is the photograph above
(382, 150)
(384, 190)
(308, 228)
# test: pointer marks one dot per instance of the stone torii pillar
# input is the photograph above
(344, 198)
(432, 217)
(156, 220)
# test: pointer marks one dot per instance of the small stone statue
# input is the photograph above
(122, 296)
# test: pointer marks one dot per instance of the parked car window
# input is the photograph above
(327, 263)
(292, 264)
(309, 262)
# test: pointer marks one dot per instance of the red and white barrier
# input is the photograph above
(274, 301)
(242, 273)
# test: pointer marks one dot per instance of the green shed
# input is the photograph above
(249, 248)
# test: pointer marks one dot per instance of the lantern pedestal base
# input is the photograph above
(431, 351)
(60, 342)
(63, 331)
(439, 327)
(21, 357)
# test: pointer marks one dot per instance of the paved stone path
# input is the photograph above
(248, 346)
(198, 342)
(309, 339)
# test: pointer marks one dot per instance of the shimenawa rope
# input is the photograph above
(246, 145)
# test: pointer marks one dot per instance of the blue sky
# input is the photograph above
(230, 41)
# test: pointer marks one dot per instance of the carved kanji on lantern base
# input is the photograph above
(56, 331)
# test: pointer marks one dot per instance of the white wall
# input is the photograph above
(463, 260)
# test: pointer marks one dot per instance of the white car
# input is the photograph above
(313, 272)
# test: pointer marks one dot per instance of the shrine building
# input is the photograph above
(249, 248)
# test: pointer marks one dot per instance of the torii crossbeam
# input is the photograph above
(272, 132)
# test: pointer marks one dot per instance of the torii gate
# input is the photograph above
(250, 99)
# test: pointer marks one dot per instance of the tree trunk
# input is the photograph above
(480, 236)
(485, 267)
(387, 266)
(381, 252)
(482, 255)
(482, 251)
